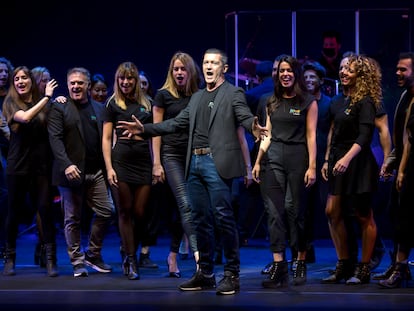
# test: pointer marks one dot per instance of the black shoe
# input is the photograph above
(173, 274)
(299, 274)
(266, 269)
(278, 276)
(397, 278)
(385, 274)
(199, 281)
(97, 263)
(130, 268)
(362, 275)
(9, 267)
(293, 264)
(343, 271)
(229, 284)
(146, 262)
(79, 270)
(10, 262)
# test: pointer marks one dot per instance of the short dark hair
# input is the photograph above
(405, 55)
(316, 66)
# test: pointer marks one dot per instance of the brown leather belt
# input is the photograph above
(201, 151)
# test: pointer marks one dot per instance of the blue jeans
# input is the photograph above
(211, 202)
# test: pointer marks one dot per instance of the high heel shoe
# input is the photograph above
(130, 267)
(398, 277)
(176, 274)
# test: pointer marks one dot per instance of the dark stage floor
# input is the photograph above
(32, 290)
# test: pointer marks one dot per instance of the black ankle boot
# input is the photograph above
(51, 260)
(10, 262)
(398, 277)
(278, 276)
(130, 267)
(362, 275)
(343, 271)
(299, 274)
(385, 274)
(146, 262)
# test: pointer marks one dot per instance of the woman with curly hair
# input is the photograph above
(350, 166)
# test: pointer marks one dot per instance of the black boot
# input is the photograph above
(385, 274)
(278, 276)
(10, 262)
(343, 271)
(362, 275)
(299, 274)
(397, 278)
(51, 260)
(146, 262)
(130, 267)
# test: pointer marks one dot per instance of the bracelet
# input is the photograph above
(326, 161)
(48, 97)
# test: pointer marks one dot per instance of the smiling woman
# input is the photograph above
(29, 163)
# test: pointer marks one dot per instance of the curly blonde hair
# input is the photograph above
(368, 80)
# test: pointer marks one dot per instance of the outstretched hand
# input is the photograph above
(131, 128)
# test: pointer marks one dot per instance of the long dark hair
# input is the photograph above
(299, 87)
(13, 101)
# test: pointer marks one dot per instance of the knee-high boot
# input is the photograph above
(51, 260)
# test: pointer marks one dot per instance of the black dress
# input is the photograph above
(131, 159)
(353, 124)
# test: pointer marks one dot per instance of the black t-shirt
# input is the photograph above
(94, 158)
(29, 151)
(172, 106)
(202, 119)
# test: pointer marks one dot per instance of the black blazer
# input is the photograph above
(67, 139)
(229, 111)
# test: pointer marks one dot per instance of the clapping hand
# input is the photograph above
(131, 128)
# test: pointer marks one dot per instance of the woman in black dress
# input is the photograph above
(128, 161)
(350, 166)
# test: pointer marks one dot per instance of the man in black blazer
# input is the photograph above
(75, 134)
(214, 158)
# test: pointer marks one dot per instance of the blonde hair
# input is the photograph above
(368, 80)
(193, 80)
(128, 69)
